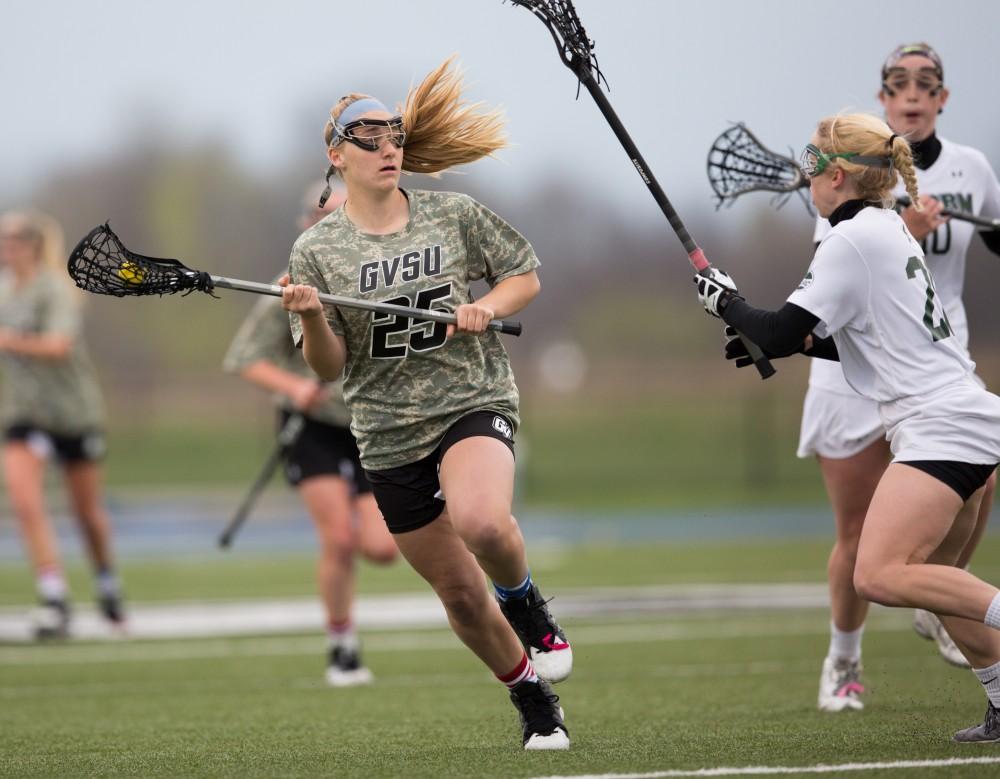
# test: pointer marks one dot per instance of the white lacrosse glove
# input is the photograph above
(715, 290)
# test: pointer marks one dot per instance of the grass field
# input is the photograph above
(617, 453)
(650, 693)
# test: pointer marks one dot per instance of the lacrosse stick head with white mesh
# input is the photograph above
(575, 48)
(100, 263)
(739, 163)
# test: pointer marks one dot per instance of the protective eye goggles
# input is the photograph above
(813, 161)
(898, 79)
(370, 134)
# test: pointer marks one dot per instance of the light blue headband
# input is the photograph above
(352, 113)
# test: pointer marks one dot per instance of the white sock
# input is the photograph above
(993, 612)
(343, 636)
(990, 679)
(845, 645)
(51, 584)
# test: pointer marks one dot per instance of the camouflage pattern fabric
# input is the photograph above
(404, 383)
(60, 396)
(266, 335)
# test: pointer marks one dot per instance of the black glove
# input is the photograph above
(737, 350)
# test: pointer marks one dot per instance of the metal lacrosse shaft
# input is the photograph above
(510, 328)
(695, 254)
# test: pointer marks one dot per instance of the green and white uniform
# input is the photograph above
(872, 291)
(59, 396)
(404, 382)
(836, 421)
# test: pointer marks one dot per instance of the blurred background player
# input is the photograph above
(322, 463)
(50, 406)
(869, 302)
(842, 429)
(435, 407)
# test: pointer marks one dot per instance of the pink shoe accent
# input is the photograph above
(552, 645)
(847, 689)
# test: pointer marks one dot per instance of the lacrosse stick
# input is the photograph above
(288, 435)
(100, 263)
(739, 163)
(576, 52)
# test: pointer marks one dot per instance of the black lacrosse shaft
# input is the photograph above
(695, 254)
(980, 221)
(289, 434)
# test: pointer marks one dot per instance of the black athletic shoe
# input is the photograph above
(541, 716)
(113, 609)
(988, 732)
(51, 620)
(544, 640)
(345, 669)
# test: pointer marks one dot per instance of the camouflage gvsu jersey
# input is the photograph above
(404, 382)
(265, 335)
(60, 396)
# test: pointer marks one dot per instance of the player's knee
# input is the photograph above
(486, 537)
(339, 546)
(485, 525)
(463, 603)
(382, 553)
(875, 584)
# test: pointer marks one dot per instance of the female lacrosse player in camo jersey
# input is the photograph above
(322, 464)
(841, 428)
(50, 405)
(869, 301)
(434, 407)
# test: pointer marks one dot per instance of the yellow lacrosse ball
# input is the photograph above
(130, 273)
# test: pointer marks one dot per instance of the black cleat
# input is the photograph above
(345, 669)
(987, 733)
(541, 716)
(544, 640)
(112, 608)
(51, 620)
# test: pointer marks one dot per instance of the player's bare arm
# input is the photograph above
(506, 298)
(325, 351)
(303, 392)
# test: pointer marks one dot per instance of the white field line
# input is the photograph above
(760, 770)
(585, 635)
(208, 619)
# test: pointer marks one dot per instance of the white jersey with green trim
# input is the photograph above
(963, 180)
(870, 287)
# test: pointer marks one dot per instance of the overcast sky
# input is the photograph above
(84, 78)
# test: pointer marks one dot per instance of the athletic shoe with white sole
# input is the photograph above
(840, 687)
(927, 625)
(345, 669)
(541, 716)
(51, 620)
(986, 733)
(545, 642)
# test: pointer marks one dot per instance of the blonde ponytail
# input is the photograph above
(442, 129)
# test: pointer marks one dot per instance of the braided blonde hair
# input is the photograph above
(867, 135)
(442, 129)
